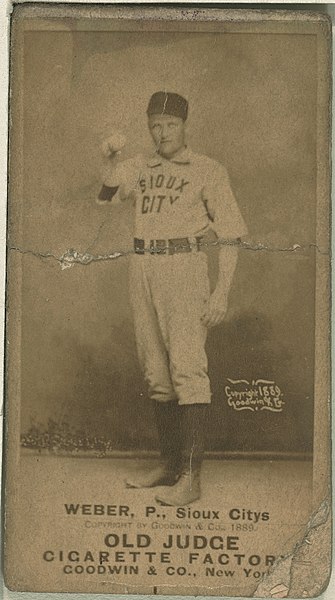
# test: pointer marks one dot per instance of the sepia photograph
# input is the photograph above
(168, 312)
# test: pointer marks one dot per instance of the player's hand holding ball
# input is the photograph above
(113, 145)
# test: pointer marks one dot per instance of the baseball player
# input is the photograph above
(179, 195)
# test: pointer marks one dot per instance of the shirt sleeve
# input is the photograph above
(119, 180)
(221, 205)
(107, 193)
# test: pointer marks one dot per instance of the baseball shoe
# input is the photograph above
(187, 488)
(168, 426)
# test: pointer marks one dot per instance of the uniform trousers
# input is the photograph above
(169, 295)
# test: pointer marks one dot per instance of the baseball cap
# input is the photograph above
(168, 103)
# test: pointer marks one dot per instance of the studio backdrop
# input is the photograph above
(252, 105)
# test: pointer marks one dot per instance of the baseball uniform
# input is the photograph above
(177, 201)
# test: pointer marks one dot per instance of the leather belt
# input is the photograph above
(169, 246)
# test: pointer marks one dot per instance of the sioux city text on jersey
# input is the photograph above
(178, 198)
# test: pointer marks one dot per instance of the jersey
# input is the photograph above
(182, 197)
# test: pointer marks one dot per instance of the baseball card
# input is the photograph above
(168, 302)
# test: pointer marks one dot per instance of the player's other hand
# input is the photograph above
(113, 145)
(216, 309)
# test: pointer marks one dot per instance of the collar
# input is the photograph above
(183, 157)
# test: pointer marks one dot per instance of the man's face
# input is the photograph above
(168, 134)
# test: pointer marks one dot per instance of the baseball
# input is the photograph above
(113, 144)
